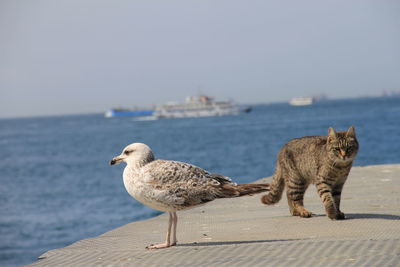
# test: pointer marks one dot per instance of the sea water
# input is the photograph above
(56, 186)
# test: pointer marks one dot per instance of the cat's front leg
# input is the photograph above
(337, 193)
(325, 193)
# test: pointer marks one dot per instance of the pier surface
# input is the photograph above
(245, 232)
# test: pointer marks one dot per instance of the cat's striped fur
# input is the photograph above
(321, 160)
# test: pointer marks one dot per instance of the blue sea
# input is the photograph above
(56, 186)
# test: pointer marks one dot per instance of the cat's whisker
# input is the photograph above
(334, 163)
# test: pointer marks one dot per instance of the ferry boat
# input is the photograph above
(124, 112)
(301, 101)
(197, 106)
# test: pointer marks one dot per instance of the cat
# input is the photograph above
(321, 160)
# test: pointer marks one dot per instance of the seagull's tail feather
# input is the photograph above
(250, 189)
(233, 190)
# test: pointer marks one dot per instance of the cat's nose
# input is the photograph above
(342, 153)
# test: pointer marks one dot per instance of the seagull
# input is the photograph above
(171, 186)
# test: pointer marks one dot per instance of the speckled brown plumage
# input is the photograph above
(172, 186)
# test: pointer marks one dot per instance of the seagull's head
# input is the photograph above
(134, 154)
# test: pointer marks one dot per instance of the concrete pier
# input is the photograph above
(245, 232)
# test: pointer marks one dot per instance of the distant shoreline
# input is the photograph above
(44, 116)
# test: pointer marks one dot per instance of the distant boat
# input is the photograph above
(301, 101)
(198, 106)
(124, 112)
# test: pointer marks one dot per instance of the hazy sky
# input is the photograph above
(71, 56)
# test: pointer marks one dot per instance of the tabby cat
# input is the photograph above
(321, 160)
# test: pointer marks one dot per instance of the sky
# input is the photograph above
(85, 56)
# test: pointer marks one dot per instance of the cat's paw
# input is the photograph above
(340, 216)
(302, 212)
(337, 216)
(305, 214)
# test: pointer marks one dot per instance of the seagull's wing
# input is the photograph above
(186, 185)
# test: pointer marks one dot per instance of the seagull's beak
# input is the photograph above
(116, 160)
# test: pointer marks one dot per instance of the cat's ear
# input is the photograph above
(331, 134)
(351, 132)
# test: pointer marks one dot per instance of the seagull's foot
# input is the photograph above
(162, 245)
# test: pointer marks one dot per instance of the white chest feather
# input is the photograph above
(136, 183)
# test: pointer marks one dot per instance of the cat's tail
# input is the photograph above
(276, 188)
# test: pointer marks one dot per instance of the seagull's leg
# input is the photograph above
(174, 225)
(167, 241)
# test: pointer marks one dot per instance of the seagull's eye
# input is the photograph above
(127, 152)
